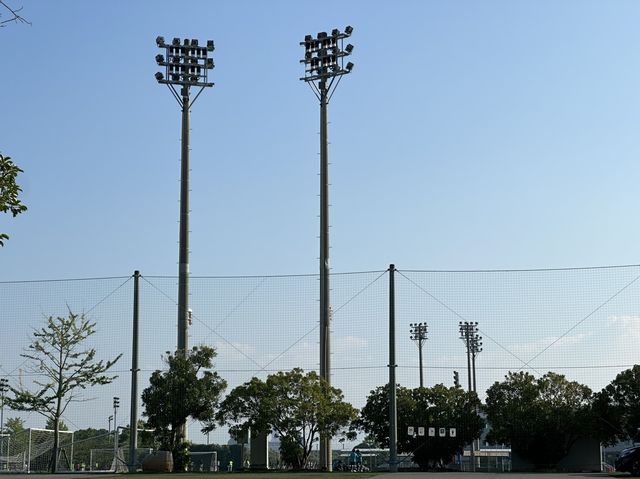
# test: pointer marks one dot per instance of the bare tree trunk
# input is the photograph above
(56, 445)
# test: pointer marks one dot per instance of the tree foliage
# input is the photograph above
(187, 388)
(64, 368)
(9, 191)
(19, 438)
(84, 440)
(297, 407)
(617, 407)
(438, 406)
(540, 418)
(14, 425)
(50, 424)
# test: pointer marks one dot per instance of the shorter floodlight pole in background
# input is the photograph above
(419, 335)
(116, 405)
(468, 330)
(4, 387)
(476, 348)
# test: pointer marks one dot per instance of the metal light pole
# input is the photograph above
(116, 405)
(471, 338)
(466, 334)
(476, 348)
(186, 65)
(393, 393)
(419, 335)
(133, 413)
(4, 387)
(323, 69)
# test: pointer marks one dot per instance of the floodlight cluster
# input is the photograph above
(186, 63)
(418, 331)
(324, 55)
(469, 334)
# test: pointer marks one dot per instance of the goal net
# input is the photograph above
(206, 461)
(31, 450)
(115, 460)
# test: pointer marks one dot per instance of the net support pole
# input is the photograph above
(29, 455)
(133, 420)
(393, 412)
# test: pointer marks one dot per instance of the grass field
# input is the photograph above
(261, 475)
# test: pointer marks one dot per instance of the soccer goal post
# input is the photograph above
(36, 446)
(205, 461)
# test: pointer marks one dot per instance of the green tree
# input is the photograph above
(9, 191)
(14, 425)
(617, 407)
(19, 439)
(61, 425)
(145, 434)
(297, 407)
(187, 388)
(84, 440)
(540, 418)
(64, 368)
(438, 406)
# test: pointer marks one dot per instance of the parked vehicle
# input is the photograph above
(629, 461)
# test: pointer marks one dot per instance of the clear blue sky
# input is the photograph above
(470, 135)
(492, 134)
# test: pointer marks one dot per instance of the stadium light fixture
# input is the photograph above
(324, 66)
(419, 335)
(186, 66)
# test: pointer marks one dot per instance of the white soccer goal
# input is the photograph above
(108, 460)
(9, 461)
(31, 449)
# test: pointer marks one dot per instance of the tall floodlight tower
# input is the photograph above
(419, 335)
(324, 66)
(186, 66)
(468, 331)
(476, 348)
(473, 344)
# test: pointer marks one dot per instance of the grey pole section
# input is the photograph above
(420, 361)
(183, 267)
(324, 63)
(325, 328)
(393, 412)
(473, 368)
(419, 334)
(467, 340)
(186, 64)
(133, 419)
(469, 373)
(4, 387)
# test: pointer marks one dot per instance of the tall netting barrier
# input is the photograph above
(583, 324)
(24, 309)
(535, 345)
(257, 325)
